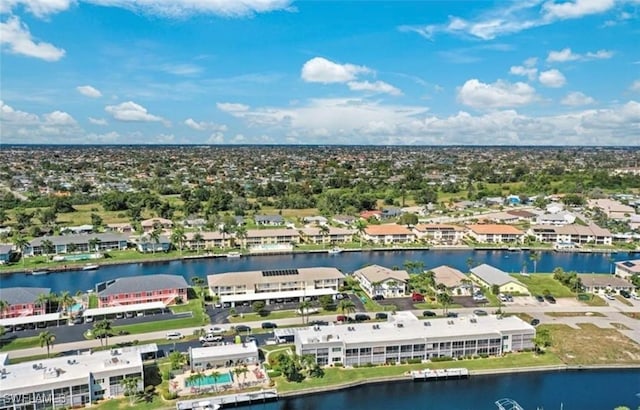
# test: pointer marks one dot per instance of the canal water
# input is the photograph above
(347, 262)
(574, 390)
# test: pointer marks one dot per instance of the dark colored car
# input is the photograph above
(381, 315)
(625, 294)
(417, 297)
(452, 314)
(428, 313)
(242, 329)
(550, 299)
(362, 317)
(269, 325)
(377, 297)
(319, 323)
(535, 322)
(539, 298)
(343, 318)
(479, 312)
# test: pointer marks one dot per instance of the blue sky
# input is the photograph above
(529, 72)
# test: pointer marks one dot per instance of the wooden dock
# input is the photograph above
(229, 400)
(439, 374)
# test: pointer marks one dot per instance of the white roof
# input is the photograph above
(64, 371)
(230, 350)
(413, 329)
(123, 308)
(277, 295)
(22, 320)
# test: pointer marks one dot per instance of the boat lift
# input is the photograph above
(508, 404)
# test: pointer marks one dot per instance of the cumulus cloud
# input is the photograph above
(130, 111)
(564, 55)
(216, 138)
(9, 115)
(477, 94)
(39, 8)
(89, 91)
(203, 125)
(576, 9)
(321, 70)
(16, 38)
(185, 8)
(20, 126)
(576, 98)
(97, 121)
(374, 87)
(58, 118)
(552, 78)
(529, 72)
(232, 107)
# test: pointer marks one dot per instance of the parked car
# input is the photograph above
(343, 318)
(129, 315)
(635, 296)
(540, 298)
(119, 315)
(479, 312)
(503, 298)
(250, 339)
(269, 325)
(216, 330)
(362, 317)
(243, 329)
(41, 325)
(377, 297)
(550, 299)
(78, 320)
(535, 322)
(625, 294)
(174, 336)
(319, 323)
(381, 315)
(452, 314)
(211, 339)
(609, 296)
(417, 297)
(509, 298)
(428, 313)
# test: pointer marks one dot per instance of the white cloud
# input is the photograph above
(10, 115)
(216, 138)
(374, 87)
(20, 126)
(59, 118)
(204, 126)
(97, 121)
(185, 8)
(576, 9)
(130, 111)
(552, 78)
(530, 72)
(16, 38)
(321, 70)
(635, 86)
(477, 94)
(575, 99)
(232, 107)
(530, 62)
(566, 54)
(182, 69)
(39, 8)
(89, 91)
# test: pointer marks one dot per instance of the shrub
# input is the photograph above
(338, 364)
(442, 359)
(274, 373)
(414, 361)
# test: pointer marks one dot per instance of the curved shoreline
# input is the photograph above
(70, 267)
(489, 372)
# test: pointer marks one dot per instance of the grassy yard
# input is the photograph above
(21, 343)
(524, 316)
(93, 301)
(632, 315)
(573, 314)
(280, 314)
(199, 318)
(336, 376)
(623, 300)
(594, 300)
(540, 282)
(591, 345)
(155, 404)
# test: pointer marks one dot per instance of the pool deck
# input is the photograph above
(255, 376)
(229, 400)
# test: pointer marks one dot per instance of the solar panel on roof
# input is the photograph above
(629, 264)
(279, 272)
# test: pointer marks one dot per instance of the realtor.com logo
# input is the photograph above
(33, 398)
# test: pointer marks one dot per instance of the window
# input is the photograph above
(336, 349)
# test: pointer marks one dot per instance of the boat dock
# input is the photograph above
(439, 374)
(229, 400)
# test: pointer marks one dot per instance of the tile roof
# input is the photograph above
(495, 229)
(388, 229)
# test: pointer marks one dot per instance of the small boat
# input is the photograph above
(234, 255)
(40, 272)
(334, 251)
(90, 267)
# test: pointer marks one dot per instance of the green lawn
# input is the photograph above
(337, 376)
(594, 300)
(538, 283)
(93, 301)
(272, 315)
(199, 318)
(21, 343)
(623, 300)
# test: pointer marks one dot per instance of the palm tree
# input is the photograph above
(346, 306)
(241, 235)
(101, 330)
(445, 300)
(130, 386)
(392, 284)
(195, 378)
(178, 237)
(4, 305)
(360, 226)
(47, 247)
(535, 257)
(94, 244)
(72, 247)
(43, 301)
(215, 374)
(197, 238)
(224, 229)
(47, 338)
(155, 237)
(20, 242)
(66, 300)
(324, 231)
(304, 307)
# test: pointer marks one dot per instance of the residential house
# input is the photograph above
(558, 218)
(22, 301)
(316, 220)
(493, 201)
(146, 244)
(626, 269)
(131, 290)
(522, 215)
(366, 215)
(501, 218)
(378, 280)
(271, 285)
(439, 233)
(334, 235)
(456, 282)
(404, 337)
(418, 210)
(388, 234)
(5, 253)
(269, 220)
(392, 212)
(493, 233)
(462, 205)
(76, 229)
(119, 227)
(261, 237)
(598, 283)
(78, 243)
(634, 222)
(613, 209)
(571, 234)
(149, 225)
(513, 200)
(488, 276)
(554, 207)
(209, 240)
(194, 222)
(345, 220)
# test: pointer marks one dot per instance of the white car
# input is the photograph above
(216, 330)
(635, 296)
(609, 296)
(174, 336)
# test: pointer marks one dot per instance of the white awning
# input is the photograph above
(137, 307)
(277, 295)
(23, 320)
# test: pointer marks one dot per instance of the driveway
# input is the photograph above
(400, 303)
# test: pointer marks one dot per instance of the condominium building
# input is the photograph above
(69, 381)
(270, 285)
(133, 290)
(626, 269)
(332, 235)
(377, 280)
(405, 337)
(388, 234)
(76, 243)
(495, 233)
(261, 237)
(575, 234)
(23, 301)
(438, 233)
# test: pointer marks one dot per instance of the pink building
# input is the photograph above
(167, 289)
(21, 302)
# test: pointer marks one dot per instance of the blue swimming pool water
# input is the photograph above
(76, 308)
(210, 380)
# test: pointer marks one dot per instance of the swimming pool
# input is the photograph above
(76, 308)
(209, 380)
